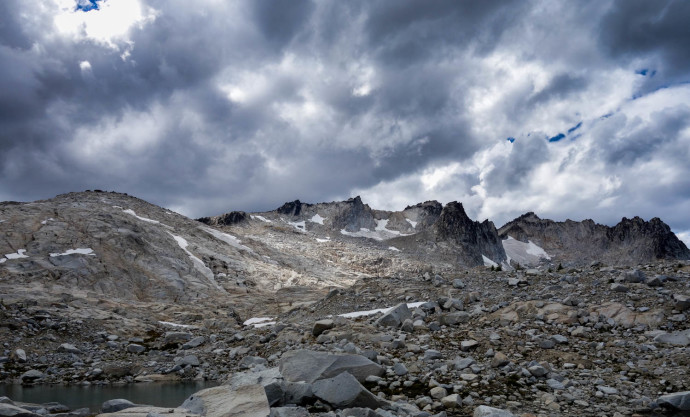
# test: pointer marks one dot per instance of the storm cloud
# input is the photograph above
(205, 107)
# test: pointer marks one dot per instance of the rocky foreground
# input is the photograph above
(590, 341)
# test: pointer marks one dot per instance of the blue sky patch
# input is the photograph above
(557, 137)
(574, 128)
(644, 72)
(511, 139)
(87, 5)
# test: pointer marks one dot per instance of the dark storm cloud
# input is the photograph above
(641, 28)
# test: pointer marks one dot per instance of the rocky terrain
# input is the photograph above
(335, 309)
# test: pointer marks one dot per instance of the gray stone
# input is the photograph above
(321, 326)
(395, 317)
(31, 375)
(250, 361)
(438, 392)
(499, 360)
(675, 401)
(191, 360)
(486, 411)
(194, 343)
(451, 401)
(224, 401)
(467, 345)
(682, 302)
(69, 348)
(310, 366)
(451, 319)
(117, 404)
(432, 354)
(633, 276)
(537, 370)
(297, 392)
(407, 326)
(656, 281)
(9, 410)
(561, 340)
(461, 363)
(457, 283)
(555, 384)
(134, 348)
(19, 355)
(681, 338)
(343, 391)
(607, 390)
(618, 287)
(400, 369)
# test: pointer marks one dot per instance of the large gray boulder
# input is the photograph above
(486, 411)
(675, 401)
(343, 391)
(223, 401)
(395, 317)
(310, 366)
(117, 404)
(681, 338)
(9, 410)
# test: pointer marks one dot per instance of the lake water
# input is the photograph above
(161, 394)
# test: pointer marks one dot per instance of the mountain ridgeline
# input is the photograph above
(630, 241)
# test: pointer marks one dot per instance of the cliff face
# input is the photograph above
(629, 242)
(474, 239)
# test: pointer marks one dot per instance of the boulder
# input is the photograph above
(680, 338)
(452, 319)
(31, 375)
(675, 401)
(395, 317)
(224, 401)
(69, 348)
(343, 391)
(9, 410)
(19, 355)
(117, 404)
(310, 366)
(486, 411)
(135, 348)
(321, 326)
(633, 276)
(682, 302)
(196, 342)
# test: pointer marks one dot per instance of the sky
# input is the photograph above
(568, 109)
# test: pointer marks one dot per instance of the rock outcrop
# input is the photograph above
(630, 241)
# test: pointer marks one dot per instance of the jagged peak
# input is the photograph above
(428, 203)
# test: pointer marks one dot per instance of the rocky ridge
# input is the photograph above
(629, 241)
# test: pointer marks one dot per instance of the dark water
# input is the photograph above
(161, 394)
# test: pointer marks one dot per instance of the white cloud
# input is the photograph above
(109, 25)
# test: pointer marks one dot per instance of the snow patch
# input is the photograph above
(80, 251)
(526, 254)
(229, 239)
(412, 223)
(130, 211)
(47, 220)
(535, 250)
(317, 219)
(301, 226)
(393, 248)
(489, 262)
(198, 263)
(259, 322)
(379, 233)
(364, 313)
(20, 254)
(2, 260)
(328, 239)
(262, 218)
